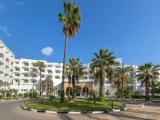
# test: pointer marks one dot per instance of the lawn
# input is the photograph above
(77, 106)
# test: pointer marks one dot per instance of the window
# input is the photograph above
(43, 76)
(16, 81)
(17, 69)
(6, 66)
(1, 55)
(85, 77)
(16, 74)
(26, 69)
(57, 71)
(25, 81)
(57, 77)
(26, 75)
(50, 65)
(7, 59)
(26, 63)
(34, 75)
(34, 69)
(50, 71)
(57, 66)
(34, 81)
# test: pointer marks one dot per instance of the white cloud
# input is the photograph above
(47, 51)
(4, 31)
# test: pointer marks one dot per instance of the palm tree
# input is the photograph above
(41, 66)
(74, 72)
(122, 75)
(155, 78)
(71, 20)
(103, 60)
(147, 73)
(48, 86)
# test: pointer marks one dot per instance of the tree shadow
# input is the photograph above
(92, 117)
(64, 116)
(129, 116)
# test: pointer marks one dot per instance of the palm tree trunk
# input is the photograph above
(101, 89)
(122, 88)
(101, 84)
(146, 91)
(40, 86)
(118, 89)
(64, 69)
(73, 87)
(153, 89)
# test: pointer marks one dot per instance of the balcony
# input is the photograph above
(25, 76)
(1, 78)
(1, 68)
(1, 61)
(25, 63)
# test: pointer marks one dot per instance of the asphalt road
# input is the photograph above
(12, 111)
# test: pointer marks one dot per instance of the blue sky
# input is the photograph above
(129, 28)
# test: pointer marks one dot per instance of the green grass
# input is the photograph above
(82, 106)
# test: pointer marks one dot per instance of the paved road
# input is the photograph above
(12, 111)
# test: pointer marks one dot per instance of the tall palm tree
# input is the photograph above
(41, 67)
(147, 73)
(71, 20)
(103, 60)
(122, 75)
(74, 72)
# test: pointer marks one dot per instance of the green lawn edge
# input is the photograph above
(76, 106)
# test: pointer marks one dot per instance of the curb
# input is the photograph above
(56, 112)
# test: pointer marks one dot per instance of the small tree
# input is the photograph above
(121, 77)
(102, 61)
(15, 92)
(48, 86)
(147, 73)
(41, 66)
(74, 72)
(3, 92)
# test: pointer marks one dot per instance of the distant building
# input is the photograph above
(6, 66)
(20, 74)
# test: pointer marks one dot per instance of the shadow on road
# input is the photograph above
(128, 116)
(92, 117)
(146, 112)
(64, 116)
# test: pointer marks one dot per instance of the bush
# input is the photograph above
(14, 96)
(26, 95)
(1, 96)
(51, 97)
(20, 95)
(8, 95)
(33, 94)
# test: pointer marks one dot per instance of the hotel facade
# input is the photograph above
(20, 74)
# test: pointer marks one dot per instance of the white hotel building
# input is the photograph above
(21, 75)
